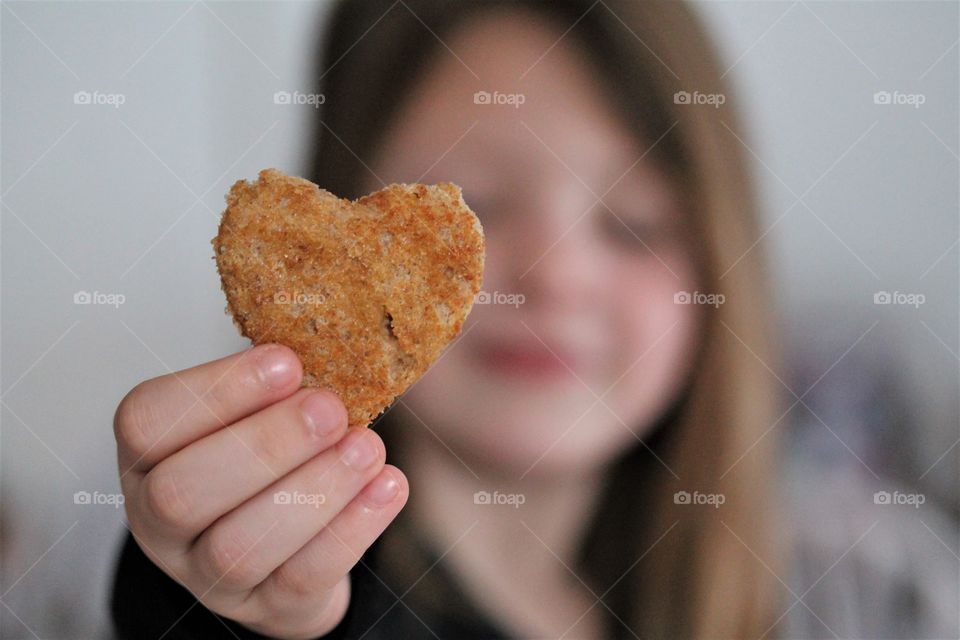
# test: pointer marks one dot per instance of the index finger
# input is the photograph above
(161, 416)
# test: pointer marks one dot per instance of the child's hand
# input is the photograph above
(253, 494)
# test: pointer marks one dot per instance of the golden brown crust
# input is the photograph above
(367, 293)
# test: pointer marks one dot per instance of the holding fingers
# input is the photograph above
(205, 456)
(160, 416)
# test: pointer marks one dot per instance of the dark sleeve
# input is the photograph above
(146, 604)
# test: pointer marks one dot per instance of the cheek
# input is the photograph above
(656, 338)
(651, 307)
(507, 257)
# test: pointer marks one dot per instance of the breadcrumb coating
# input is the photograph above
(367, 292)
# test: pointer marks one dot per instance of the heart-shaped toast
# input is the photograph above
(366, 292)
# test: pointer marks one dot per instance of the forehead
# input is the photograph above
(516, 81)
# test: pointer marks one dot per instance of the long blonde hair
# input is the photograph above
(665, 569)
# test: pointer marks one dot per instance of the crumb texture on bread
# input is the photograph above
(366, 292)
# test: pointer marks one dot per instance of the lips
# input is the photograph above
(528, 360)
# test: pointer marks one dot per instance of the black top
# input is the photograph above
(147, 604)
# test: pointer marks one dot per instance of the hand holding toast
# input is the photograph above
(252, 492)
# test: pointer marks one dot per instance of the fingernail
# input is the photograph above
(359, 451)
(277, 369)
(321, 414)
(383, 490)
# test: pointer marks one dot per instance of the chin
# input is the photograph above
(530, 463)
(540, 443)
(516, 432)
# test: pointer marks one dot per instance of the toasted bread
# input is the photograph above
(367, 292)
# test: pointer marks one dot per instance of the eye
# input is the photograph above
(632, 230)
(487, 205)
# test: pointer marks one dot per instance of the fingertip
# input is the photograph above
(338, 409)
(390, 486)
(278, 366)
(396, 473)
(404, 485)
(324, 412)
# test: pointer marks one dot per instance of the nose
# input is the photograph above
(557, 263)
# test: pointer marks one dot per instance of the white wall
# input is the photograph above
(125, 200)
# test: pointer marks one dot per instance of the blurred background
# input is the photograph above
(123, 124)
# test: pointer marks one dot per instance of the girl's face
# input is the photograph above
(575, 345)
